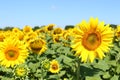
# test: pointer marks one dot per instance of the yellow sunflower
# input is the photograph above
(50, 27)
(17, 33)
(54, 66)
(56, 38)
(41, 30)
(29, 36)
(27, 29)
(15, 30)
(57, 31)
(20, 35)
(37, 45)
(67, 34)
(2, 37)
(21, 70)
(7, 33)
(117, 32)
(91, 40)
(12, 52)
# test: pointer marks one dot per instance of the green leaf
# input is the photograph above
(61, 73)
(101, 65)
(52, 77)
(112, 63)
(113, 52)
(49, 51)
(56, 45)
(63, 50)
(93, 78)
(106, 75)
(119, 43)
(115, 77)
(116, 48)
(4, 69)
(37, 74)
(34, 66)
(118, 57)
(118, 69)
(6, 78)
(67, 60)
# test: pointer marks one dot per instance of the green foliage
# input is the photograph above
(69, 26)
(35, 28)
(70, 66)
(8, 28)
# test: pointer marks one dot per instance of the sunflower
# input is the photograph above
(91, 40)
(15, 30)
(29, 36)
(41, 30)
(12, 52)
(67, 34)
(17, 33)
(46, 64)
(27, 29)
(37, 45)
(117, 32)
(56, 38)
(57, 31)
(7, 33)
(21, 71)
(50, 27)
(2, 37)
(20, 35)
(54, 66)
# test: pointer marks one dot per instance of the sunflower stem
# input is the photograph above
(78, 69)
(42, 73)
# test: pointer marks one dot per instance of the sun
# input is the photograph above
(12, 52)
(92, 40)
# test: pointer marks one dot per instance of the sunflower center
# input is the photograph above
(11, 54)
(54, 66)
(91, 40)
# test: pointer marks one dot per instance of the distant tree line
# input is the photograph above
(37, 27)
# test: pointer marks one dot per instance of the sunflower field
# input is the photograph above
(87, 51)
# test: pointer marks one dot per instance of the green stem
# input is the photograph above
(42, 73)
(78, 69)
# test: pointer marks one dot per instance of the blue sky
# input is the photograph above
(18, 13)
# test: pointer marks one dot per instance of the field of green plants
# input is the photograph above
(86, 51)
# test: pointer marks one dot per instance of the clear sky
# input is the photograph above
(18, 13)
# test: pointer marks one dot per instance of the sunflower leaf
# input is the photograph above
(33, 66)
(101, 65)
(106, 75)
(115, 77)
(118, 69)
(93, 78)
(49, 51)
(52, 77)
(62, 73)
(112, 63)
